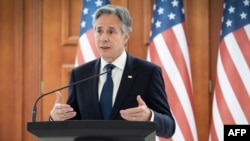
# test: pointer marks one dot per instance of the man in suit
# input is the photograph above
(138, 91)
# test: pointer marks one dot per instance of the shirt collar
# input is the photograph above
(119, 62)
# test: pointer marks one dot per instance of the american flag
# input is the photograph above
(168, 48)
(231, 100)
(86, 49)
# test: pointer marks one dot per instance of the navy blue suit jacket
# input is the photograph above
(146, 81)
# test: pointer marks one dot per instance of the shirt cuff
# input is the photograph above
(152, 116)
(50, 118)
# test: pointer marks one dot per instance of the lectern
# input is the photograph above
(93, 130)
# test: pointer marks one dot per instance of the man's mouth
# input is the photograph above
(104, 47)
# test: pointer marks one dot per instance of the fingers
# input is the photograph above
(133, 114)
(60, 111)
(58, 97)
(140, 113)
(64, 112)
(129, 118)
(140, 101)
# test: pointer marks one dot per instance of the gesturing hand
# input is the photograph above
(60, 111)
(140, 113)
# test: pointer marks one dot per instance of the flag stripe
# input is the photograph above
(87, 46)
(231, 100)
(247, 30)
(213, 136)
(234, 68)
(91, 39)
(240, 53)
(232, 92)
(226, 88)
(170, 67)
(177, 49)
(178, 56)
(79, 56)
(172, 96)
(217, 123)
(174, 83)
(168, 48)
(241, 36)
(223, 108)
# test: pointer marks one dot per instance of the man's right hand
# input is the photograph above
(61, 111)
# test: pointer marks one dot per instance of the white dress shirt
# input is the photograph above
(117, 72)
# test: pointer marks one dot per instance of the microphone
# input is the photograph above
(34, 109)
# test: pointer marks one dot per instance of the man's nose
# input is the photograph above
(104, 37)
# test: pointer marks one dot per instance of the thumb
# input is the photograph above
(58, 97)
(140, 100)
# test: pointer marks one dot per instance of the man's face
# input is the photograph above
(109, 39)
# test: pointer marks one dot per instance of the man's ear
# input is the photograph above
(126, 38)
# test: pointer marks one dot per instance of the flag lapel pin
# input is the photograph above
(130, 76)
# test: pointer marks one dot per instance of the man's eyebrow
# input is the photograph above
(111, 28)
(99, 27)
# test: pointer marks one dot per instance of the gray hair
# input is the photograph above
(121, 12)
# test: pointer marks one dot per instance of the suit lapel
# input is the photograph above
(125, 85)
(94, 89)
